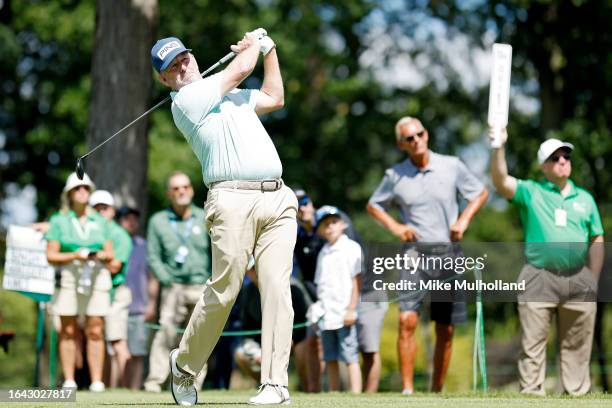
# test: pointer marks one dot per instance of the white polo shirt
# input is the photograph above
(337, 265)
(224, 132)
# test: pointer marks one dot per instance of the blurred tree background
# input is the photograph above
(350, 69)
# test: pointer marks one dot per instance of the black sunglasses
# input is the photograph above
(558, 157)
(410, 138)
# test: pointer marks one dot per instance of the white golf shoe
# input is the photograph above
(97, 386)
(183, 388)
(69, 384)
(270, 394)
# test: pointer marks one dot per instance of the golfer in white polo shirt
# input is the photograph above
(248, 209)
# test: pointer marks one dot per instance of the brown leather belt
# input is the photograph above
(261, 185)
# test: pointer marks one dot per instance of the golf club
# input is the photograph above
(80, 165)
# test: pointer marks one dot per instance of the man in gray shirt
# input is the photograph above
(424, 188)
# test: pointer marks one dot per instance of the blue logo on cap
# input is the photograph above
(164, 51)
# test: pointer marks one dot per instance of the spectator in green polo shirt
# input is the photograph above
(79, 245)
(564, 253)
(116, 321)
(179, 254)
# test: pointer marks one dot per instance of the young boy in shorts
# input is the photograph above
(337, 280)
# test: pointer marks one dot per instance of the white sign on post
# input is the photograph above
(499, 91)
(26, 268)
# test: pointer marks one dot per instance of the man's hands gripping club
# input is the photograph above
(271, 95)
(259, 37)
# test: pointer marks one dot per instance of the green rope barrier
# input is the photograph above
(479, 361)
(237, 333)
(233, 333)
(475, 357)
(481, 349)
(52, 357)
(40, 335)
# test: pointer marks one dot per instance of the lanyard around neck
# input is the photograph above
(184, 236)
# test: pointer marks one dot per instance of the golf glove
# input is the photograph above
(266, 44)
(258, 33)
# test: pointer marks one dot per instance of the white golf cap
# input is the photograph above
(101, 197)
(549, 147)
(74, 181)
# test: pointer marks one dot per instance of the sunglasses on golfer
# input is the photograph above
(558, 157)
(410, 138)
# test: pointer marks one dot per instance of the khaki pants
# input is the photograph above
(177, 302)
(241, 223)
(575, 327)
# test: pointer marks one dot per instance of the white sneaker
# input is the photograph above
(152, 387)
(69, 384)
(271, 394)
(183, 390)
(97, 386)
(407, 392)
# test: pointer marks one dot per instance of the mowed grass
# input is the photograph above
(124, 398)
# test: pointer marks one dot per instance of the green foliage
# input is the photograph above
(335, 135)
(165, 138)
(45, 92)
(19, 314)
(494, 226)
(561, 57)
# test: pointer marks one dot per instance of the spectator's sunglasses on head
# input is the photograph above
(304, 200)
(410, 138)
(558, 157)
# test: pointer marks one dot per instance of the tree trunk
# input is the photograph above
(121, 90)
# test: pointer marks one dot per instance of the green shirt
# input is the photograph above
(558, 228)
(122, 247)
(169, 237)
(72, 235)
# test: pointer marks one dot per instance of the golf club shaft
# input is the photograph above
(223, 60)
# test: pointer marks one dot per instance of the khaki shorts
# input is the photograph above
(116, 321)
(370, 318)
(67, 302)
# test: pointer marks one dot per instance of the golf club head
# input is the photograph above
(80, 168)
